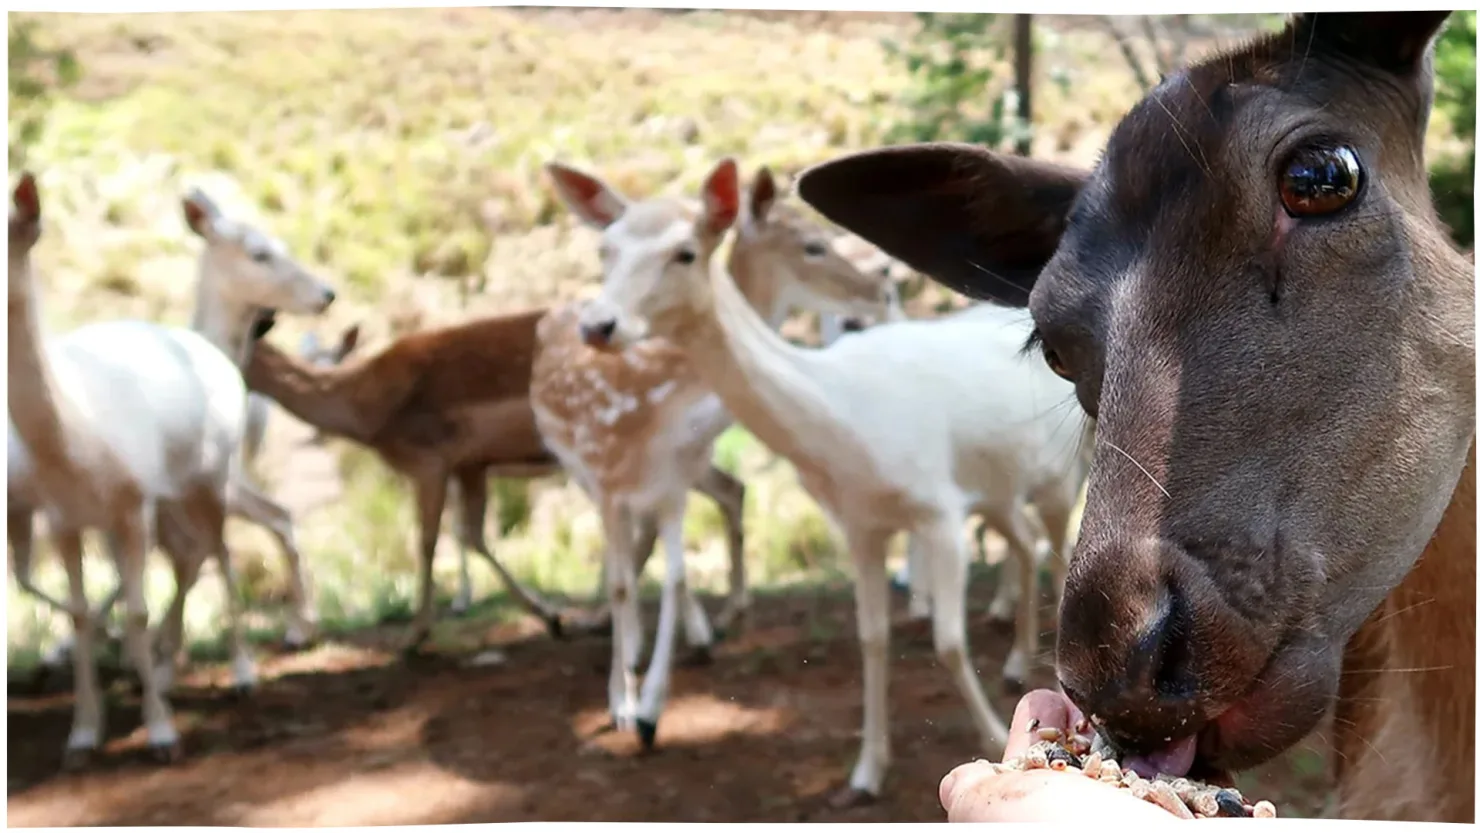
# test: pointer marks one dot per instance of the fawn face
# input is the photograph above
(655, 253)
(1254, 299)
(249, 267)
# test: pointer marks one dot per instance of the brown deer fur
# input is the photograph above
(447, 402)
(1258, 304)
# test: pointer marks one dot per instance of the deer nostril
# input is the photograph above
(1161, 657)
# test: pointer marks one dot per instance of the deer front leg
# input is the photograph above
(655, 686)
(646, 532)
(729, 494)
(431, 495)
(473, 490)
(87, 702)
(21, 532)
(463, 600)
(621, 588)
(871, 597)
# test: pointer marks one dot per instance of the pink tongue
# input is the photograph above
(1175, 760)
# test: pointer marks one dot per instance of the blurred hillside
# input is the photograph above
(399, 154)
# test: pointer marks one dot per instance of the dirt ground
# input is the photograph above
(348, 734)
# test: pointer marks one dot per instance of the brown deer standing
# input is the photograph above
(1255, 299)
(446, 403)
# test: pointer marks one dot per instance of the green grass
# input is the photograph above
(399, 155)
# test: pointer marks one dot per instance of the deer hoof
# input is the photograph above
(647, 733)
(555, 626)
(850, 797)
(166, 753)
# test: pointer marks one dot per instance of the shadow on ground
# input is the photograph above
(349, 734)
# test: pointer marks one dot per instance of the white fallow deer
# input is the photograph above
(241, 271)
(1254, 296)
(907, 426)
(132, 428)
(636, 427)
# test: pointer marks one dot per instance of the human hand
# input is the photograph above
(980, 792)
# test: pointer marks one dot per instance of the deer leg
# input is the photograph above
(473, 489)
(917, 579)
(871, 596)
(209, 514)
(244, 500)
(1056, 509)
(21, 532)
(87, 705)
(729, 494)
(431, 496)
(949, 559)
(621, 588)
(464, 598)
(1021, 548)
(184, 552)
(655, 687)
(646, 538)
(131, 542)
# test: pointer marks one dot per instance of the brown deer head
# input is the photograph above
(1257, 303)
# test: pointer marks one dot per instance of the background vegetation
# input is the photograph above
(398, 153)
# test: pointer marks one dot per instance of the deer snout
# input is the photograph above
(1126, 645)
(598, 333)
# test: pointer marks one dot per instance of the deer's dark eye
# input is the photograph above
(1320, 180)
(685, 257)
(1055, 363)
(261, 255)
(814, 249)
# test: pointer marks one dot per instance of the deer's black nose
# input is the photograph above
(600, 332)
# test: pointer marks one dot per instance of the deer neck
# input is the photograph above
(223, 321)
(767, 384)
(761, 288)
(321, 397)
(1408, 686)
(38, 407)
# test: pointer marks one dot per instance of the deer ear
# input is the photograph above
(349, 340)
(27, 199)
(1393, 41)
(721, 196)
(762, 194)
(597, 204)
(978, 222)
(200, 213)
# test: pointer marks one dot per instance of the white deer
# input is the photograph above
(907, 426)
(636, 428)
(242, 271)
(125, 423)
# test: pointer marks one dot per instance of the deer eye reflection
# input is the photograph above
(1320, 180)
